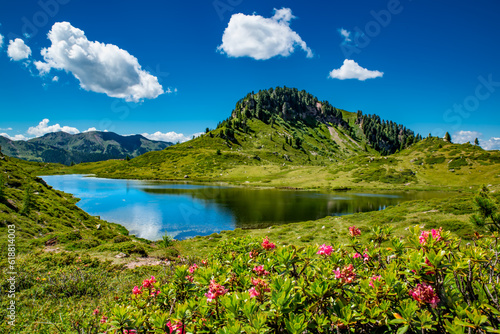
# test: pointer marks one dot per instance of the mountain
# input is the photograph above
(65, 148)
(280, 127)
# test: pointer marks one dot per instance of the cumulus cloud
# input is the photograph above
(351, 70)
(491, 144)
(90, 129)
(1, 41)
(5, 129)
(17, 50)
(261, 38)
(43, 128)
(462, 137)
(15, 137)
(101, 68)
(55, 78)
(346, 34)
(172, 137)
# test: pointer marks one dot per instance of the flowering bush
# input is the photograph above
(440, 285)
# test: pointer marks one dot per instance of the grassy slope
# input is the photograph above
(63, 288)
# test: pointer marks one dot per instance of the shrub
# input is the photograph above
(120, 238)
(431, 283)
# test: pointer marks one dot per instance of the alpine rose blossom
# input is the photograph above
(356, 256)
(346, 275)
(424, 293)
(193, 268)
(253, 293)
(267, 245)
(260, 271)
(136, 290)
(354, 231)
(215, 290)
(148, 282)
(373, 279)
(260, 286)
(325, 250)
(436, 235)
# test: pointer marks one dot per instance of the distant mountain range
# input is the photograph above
(65, 148)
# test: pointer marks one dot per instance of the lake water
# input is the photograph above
(148, 209)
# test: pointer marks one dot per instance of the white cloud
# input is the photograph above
(462, 137)
(351, 70)
(261, 38)
(491, 144)
(5, 129)
(1, 41)
(346, 34)
(17, 50)
(43, 128)
(90, 129)
(55, 78)
(15, 137)
(101, 68)
(172, 137)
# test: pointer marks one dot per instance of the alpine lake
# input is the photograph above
(149, 209)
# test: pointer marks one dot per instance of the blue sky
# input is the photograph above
(171, 67)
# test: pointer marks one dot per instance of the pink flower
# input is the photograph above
(204, 262)
(424, 293)
(325, 250)
(173, 328)
(346, 275)
(354, 232)
(260, 286)
(268, 245)
(373, 279)
(253, 254)
(356, 256)
(436, 235)
(193, 268)
(136, 290)
(215, 290)
(148, 282)
(366, 257)
(261, 271)
(104, 319)
(253, 293)
(190, 278)
(96, 311)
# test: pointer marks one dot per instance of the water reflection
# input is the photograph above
(149, 209)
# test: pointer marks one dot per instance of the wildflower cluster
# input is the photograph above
(214, 291)
(434, 234)
(354, 231)
(268, 245)
(325, 250)
(259, 287)
(346, 275)
(260, 271)
(413, 287)
(424, 293)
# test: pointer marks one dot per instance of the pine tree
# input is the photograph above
(447, 137)
(476, 142)
(488, 213)
(27, 200)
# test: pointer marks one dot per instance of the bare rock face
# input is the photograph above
(121, 255)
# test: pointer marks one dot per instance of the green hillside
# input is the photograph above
(277, 129)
